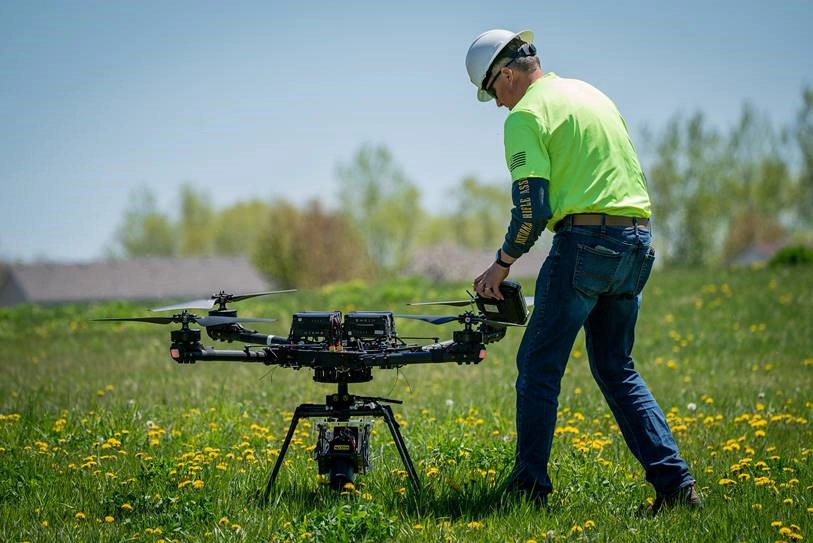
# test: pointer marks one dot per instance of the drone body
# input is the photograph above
(341, 349)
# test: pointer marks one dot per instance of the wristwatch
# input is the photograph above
(500, 261)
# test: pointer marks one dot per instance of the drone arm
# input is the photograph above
(235, 332)
(447, 351)
(189, 354)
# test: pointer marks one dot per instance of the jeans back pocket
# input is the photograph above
(596, 269)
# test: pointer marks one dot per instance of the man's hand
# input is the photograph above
(487, 284)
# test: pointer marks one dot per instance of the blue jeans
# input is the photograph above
(592, 277)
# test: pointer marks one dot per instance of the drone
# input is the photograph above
(341, 349)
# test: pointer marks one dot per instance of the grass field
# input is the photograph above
(104, 438)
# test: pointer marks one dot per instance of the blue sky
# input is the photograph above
(263, 99)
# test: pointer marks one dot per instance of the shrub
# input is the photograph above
(792, 256)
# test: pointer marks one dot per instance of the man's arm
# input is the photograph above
(529, 217)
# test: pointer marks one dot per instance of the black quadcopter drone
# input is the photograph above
(342, 350)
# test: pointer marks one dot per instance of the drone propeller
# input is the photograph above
(529, 302)
(432, 319)
(187, 318)
(444, 319)
(221, 299)
(453, 303)
(153, 320)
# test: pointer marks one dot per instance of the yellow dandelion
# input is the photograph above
(756, 506)
(795, 537)
(474, 525)
(198, 484)
(431, 472)
(109, 519)
(223, 521)
(784, 530)
(349, 487)
(576, 529)
(727, 482)
(788, 501)
(44, 523)
(127, 507)
(235, 527)
(418, 526)
(589, 524)
(776, 523)
(80, 516)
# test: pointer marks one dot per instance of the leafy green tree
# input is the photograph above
(197, 222)
(716, 194)
(686, 181)
(310, 247)
(482, 213)
(238, 226)
(144, 230)
(803, 132)
(383, 204)
(759, 185)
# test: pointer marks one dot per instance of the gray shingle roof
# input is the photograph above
(137, 279)
(448, 262)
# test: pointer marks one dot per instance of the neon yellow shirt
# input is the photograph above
(568, 132)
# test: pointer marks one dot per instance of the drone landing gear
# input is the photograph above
(342, 407)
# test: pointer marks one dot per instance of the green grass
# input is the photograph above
(96, 421)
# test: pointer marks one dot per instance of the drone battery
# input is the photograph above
(511, 309)
(316, 324)
(369, 325)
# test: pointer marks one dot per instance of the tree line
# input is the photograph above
(714, 194)
(378, 223)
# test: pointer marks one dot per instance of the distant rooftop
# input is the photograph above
(448, 262)
(137, 279)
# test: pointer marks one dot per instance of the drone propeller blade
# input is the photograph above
(432, 319)
(221, 298)
(217, 320)
(453, 303)
(153, 320)
(500, 323)
(206, 303)
(239, 297)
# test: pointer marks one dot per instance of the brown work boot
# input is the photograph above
(685, 497)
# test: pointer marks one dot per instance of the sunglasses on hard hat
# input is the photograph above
(525, 50)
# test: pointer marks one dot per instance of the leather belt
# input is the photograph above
(597, 219)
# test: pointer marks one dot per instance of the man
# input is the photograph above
(574, 170)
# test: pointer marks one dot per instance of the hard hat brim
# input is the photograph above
(527, 36)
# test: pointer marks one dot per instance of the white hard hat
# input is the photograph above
(484, 50)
